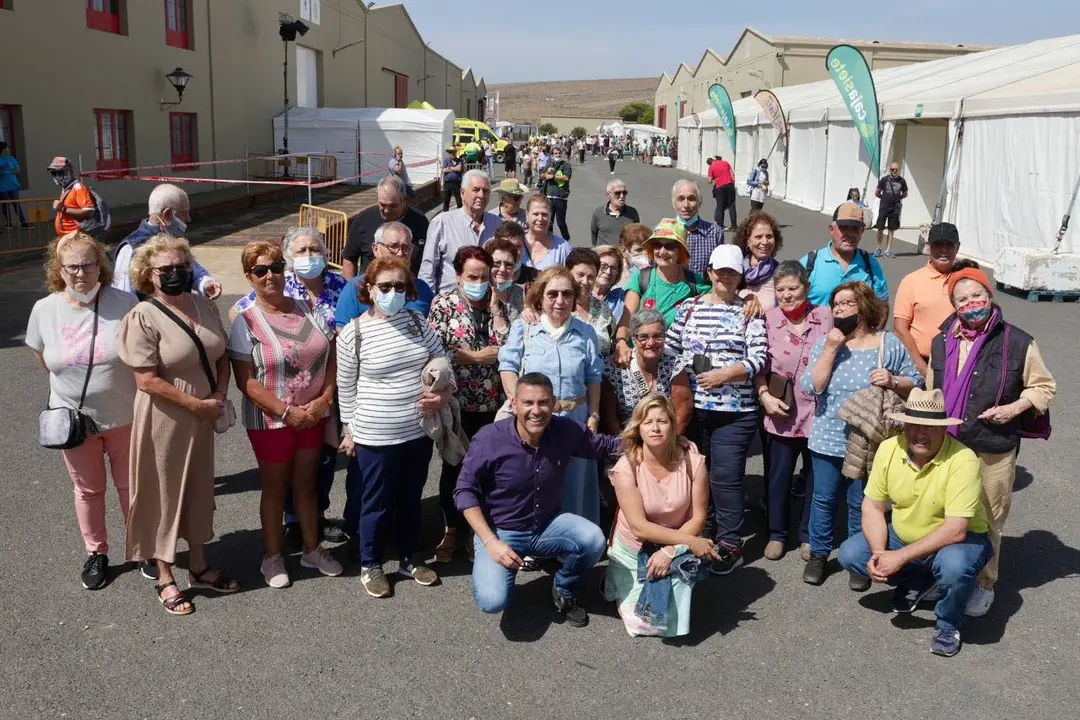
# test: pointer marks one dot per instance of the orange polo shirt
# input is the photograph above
(77, 199)
(923, 301)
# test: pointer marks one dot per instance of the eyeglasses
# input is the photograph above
(842, 304)
(504, 264)
(668, 245)
(554, 294)
(168, 269)
(620, 193)
(399, 249)
(605, 267)
(277, 267)
(645, 339)
(386, 287)
(76, 269)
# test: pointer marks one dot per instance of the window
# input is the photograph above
(7, 125)
(5, 4)
(182, 139)
(177, 24)
(103, 15)
(311, 11)
(661, 117)
(682, 109)
(111, 129)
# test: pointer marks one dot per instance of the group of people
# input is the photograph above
(563, 389)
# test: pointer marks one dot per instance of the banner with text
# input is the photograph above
(722, 102)
(848, 69)
(771, 105)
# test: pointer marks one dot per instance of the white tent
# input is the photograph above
(352, 133)
(643, 130)
(1010, 172)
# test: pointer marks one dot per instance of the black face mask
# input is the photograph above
(847, 324)
(176, 282)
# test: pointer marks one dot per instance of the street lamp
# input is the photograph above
(288, 28)
(179, 80)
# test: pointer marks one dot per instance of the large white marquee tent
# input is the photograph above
(1003, 126)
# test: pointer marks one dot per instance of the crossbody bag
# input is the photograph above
(64, 428)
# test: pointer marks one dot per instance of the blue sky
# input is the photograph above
(594, 39)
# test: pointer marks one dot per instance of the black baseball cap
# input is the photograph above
(943, 232)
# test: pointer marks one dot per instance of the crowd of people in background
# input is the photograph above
(566, 390)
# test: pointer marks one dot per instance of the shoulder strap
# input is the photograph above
(194, 338)
(881, 350)
(811, 258)
(356, 337)
(869, 264)
(1004, 365)
(643, 280)
(690, 312)
(93, 340)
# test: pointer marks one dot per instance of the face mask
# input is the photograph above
(60, 180)
(797, 312)
(688, 222)
(83, 297)
(391, 302)
(846, 325)
(640, 261)
(176, 228)
(504, 286)
(309, 267)
(176, 282)
(475, 291)
(975, 313)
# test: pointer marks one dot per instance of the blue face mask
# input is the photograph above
(475, 291)
(688, 222)
(390, 302)
(309, 267)
(503, 286)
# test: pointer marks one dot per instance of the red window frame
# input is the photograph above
(103, 15)
(177, 27)
(3, 5)
(182, 136)
(111, 128)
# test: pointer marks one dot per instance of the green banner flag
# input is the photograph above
(847, 67)
(722, 102)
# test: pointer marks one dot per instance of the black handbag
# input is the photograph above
(63, 428)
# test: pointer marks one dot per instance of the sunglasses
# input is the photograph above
(554, 294)
(167, 269)
(619, 193)
(666, 245)
(385, 287)
(259, 271)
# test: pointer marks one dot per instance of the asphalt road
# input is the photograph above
(764, 644)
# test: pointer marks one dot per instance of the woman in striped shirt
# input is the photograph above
(723, 351)
(283, 361)
(381, 355)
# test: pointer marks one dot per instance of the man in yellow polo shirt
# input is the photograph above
(938, 538)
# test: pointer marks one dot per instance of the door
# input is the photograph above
(307, 77)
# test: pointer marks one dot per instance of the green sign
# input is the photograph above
(848, 69)
(722, 102)
(918, 110)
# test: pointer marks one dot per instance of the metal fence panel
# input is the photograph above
(334, 226)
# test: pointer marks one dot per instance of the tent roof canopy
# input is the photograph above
(386, 118)
(1037, 77)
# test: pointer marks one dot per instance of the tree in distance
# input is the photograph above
(547, 129)
(578, 133)
(638, 112)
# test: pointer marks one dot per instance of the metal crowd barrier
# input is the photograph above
(305, 168)
(38, 216)
(334, 226)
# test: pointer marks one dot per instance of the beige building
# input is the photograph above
(105, 98)
(565, 124)
(759, 61)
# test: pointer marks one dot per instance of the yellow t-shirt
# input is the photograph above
(950, 485)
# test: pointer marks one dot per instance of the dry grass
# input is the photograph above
(526, 102)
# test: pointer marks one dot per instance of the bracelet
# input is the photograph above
(625, 340)
(493, 537)
(669, 554)
(285, 413)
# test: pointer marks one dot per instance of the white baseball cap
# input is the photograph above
(726, 256)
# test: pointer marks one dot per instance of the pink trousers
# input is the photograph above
(86, 465)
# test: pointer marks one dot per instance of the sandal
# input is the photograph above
(444, 552)
(221, 584)
(175, 604)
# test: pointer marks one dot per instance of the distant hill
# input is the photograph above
(526, 102)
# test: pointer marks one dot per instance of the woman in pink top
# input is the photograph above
(760, 239)
(791, 329)
(663, 491)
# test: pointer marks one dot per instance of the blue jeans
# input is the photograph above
(782, 452)
(652, 604)
(828, 484)
(391, 480)
(579, 542)
(953, 567)
(324, 481)
(15, 209)
(724, 438)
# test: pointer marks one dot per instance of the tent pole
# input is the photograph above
(1066, 216)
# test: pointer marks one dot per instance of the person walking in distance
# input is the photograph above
(891, 190)
(452, 170)
(612, 157)
(723, 179)
(557, 188)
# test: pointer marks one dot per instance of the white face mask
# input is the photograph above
(640, 261)
(83, 297)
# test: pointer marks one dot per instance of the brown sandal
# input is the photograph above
(445, 550)
(173, 604)
(221, 584)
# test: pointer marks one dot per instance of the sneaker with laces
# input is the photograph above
(906, 599)
(814, 572)
(979, 603)
(945, 643)
(567, 606)
(319, 559)
(419, 572)
(877, 252)
(273, 570)
(375, 583)
(332, 532)
(95, 571)
(148, 569)
(730, 558)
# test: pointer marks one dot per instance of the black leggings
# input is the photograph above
(558, 207)
(471, 422)
(451, 190)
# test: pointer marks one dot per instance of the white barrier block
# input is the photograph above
(1035, 269)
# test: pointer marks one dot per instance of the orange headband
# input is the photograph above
(968, 274)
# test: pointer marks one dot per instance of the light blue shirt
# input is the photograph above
(9, 169)
(449, 232)
(556, 256)
(851, 373)
(571, 363)
(616, 300)
(828, 275)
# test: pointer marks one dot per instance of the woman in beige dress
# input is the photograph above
(172, 437)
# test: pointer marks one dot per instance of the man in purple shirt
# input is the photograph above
(510, 492)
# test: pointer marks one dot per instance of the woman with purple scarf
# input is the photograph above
(1008, 401)
(760, 239)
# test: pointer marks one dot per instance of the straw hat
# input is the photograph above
(510, 186)
(925, 407)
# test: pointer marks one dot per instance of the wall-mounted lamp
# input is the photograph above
(426, 77)
(179, 80)
(335, 51)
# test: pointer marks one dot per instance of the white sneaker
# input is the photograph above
(319, 559)
(273, 570)
(979, 603)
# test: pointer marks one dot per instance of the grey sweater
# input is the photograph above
(605, 227)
